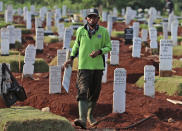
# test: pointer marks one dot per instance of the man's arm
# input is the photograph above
(74, 51)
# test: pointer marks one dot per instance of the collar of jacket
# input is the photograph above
(93, 32)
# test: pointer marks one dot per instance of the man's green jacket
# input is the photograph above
(85, 45)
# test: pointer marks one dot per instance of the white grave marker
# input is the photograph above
(109, 24)
(67, 38)
(18, 35)
(119, 96)
(165, 31)
(29, 20)
(54, 79)
(114, 54)
(39, 38)
(25, 9)
(9, 16)
(49, 22)
(166, 55)
(136, 50)
(144, 34)
(149, 79)
(61, 31)
(38, 22)
(174, 32)
(61, 56)
(64, 10)
(136, 27)
(30, 53)
(153, 38)
(4, 41)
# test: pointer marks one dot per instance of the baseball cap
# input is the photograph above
(92, 11)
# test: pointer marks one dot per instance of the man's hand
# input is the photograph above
(68, 62)
(95, 53)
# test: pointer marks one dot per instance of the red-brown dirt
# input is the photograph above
(138, 106)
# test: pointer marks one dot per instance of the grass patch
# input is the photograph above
(119, 34)
(169, 85)
(12, 52)
(53, 62)
(177, 50)
(177, 63)
(143, 26)
(4, 24)
(19, 25)
(30, 119)
(49, 39)
(39, 66)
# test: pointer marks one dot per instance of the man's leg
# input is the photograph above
(83, 82)
(93, 95)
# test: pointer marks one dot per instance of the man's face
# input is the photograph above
(92, 20)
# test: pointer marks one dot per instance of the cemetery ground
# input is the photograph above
(146, 112)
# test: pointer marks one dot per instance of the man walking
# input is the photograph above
(92, 42)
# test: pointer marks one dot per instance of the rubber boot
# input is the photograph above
(90, 118)
(83, 108)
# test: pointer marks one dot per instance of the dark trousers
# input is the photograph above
(89, 84)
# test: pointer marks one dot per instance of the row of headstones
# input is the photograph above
(165, 53)
(30, 51)
(9, 36)
(119, 96)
